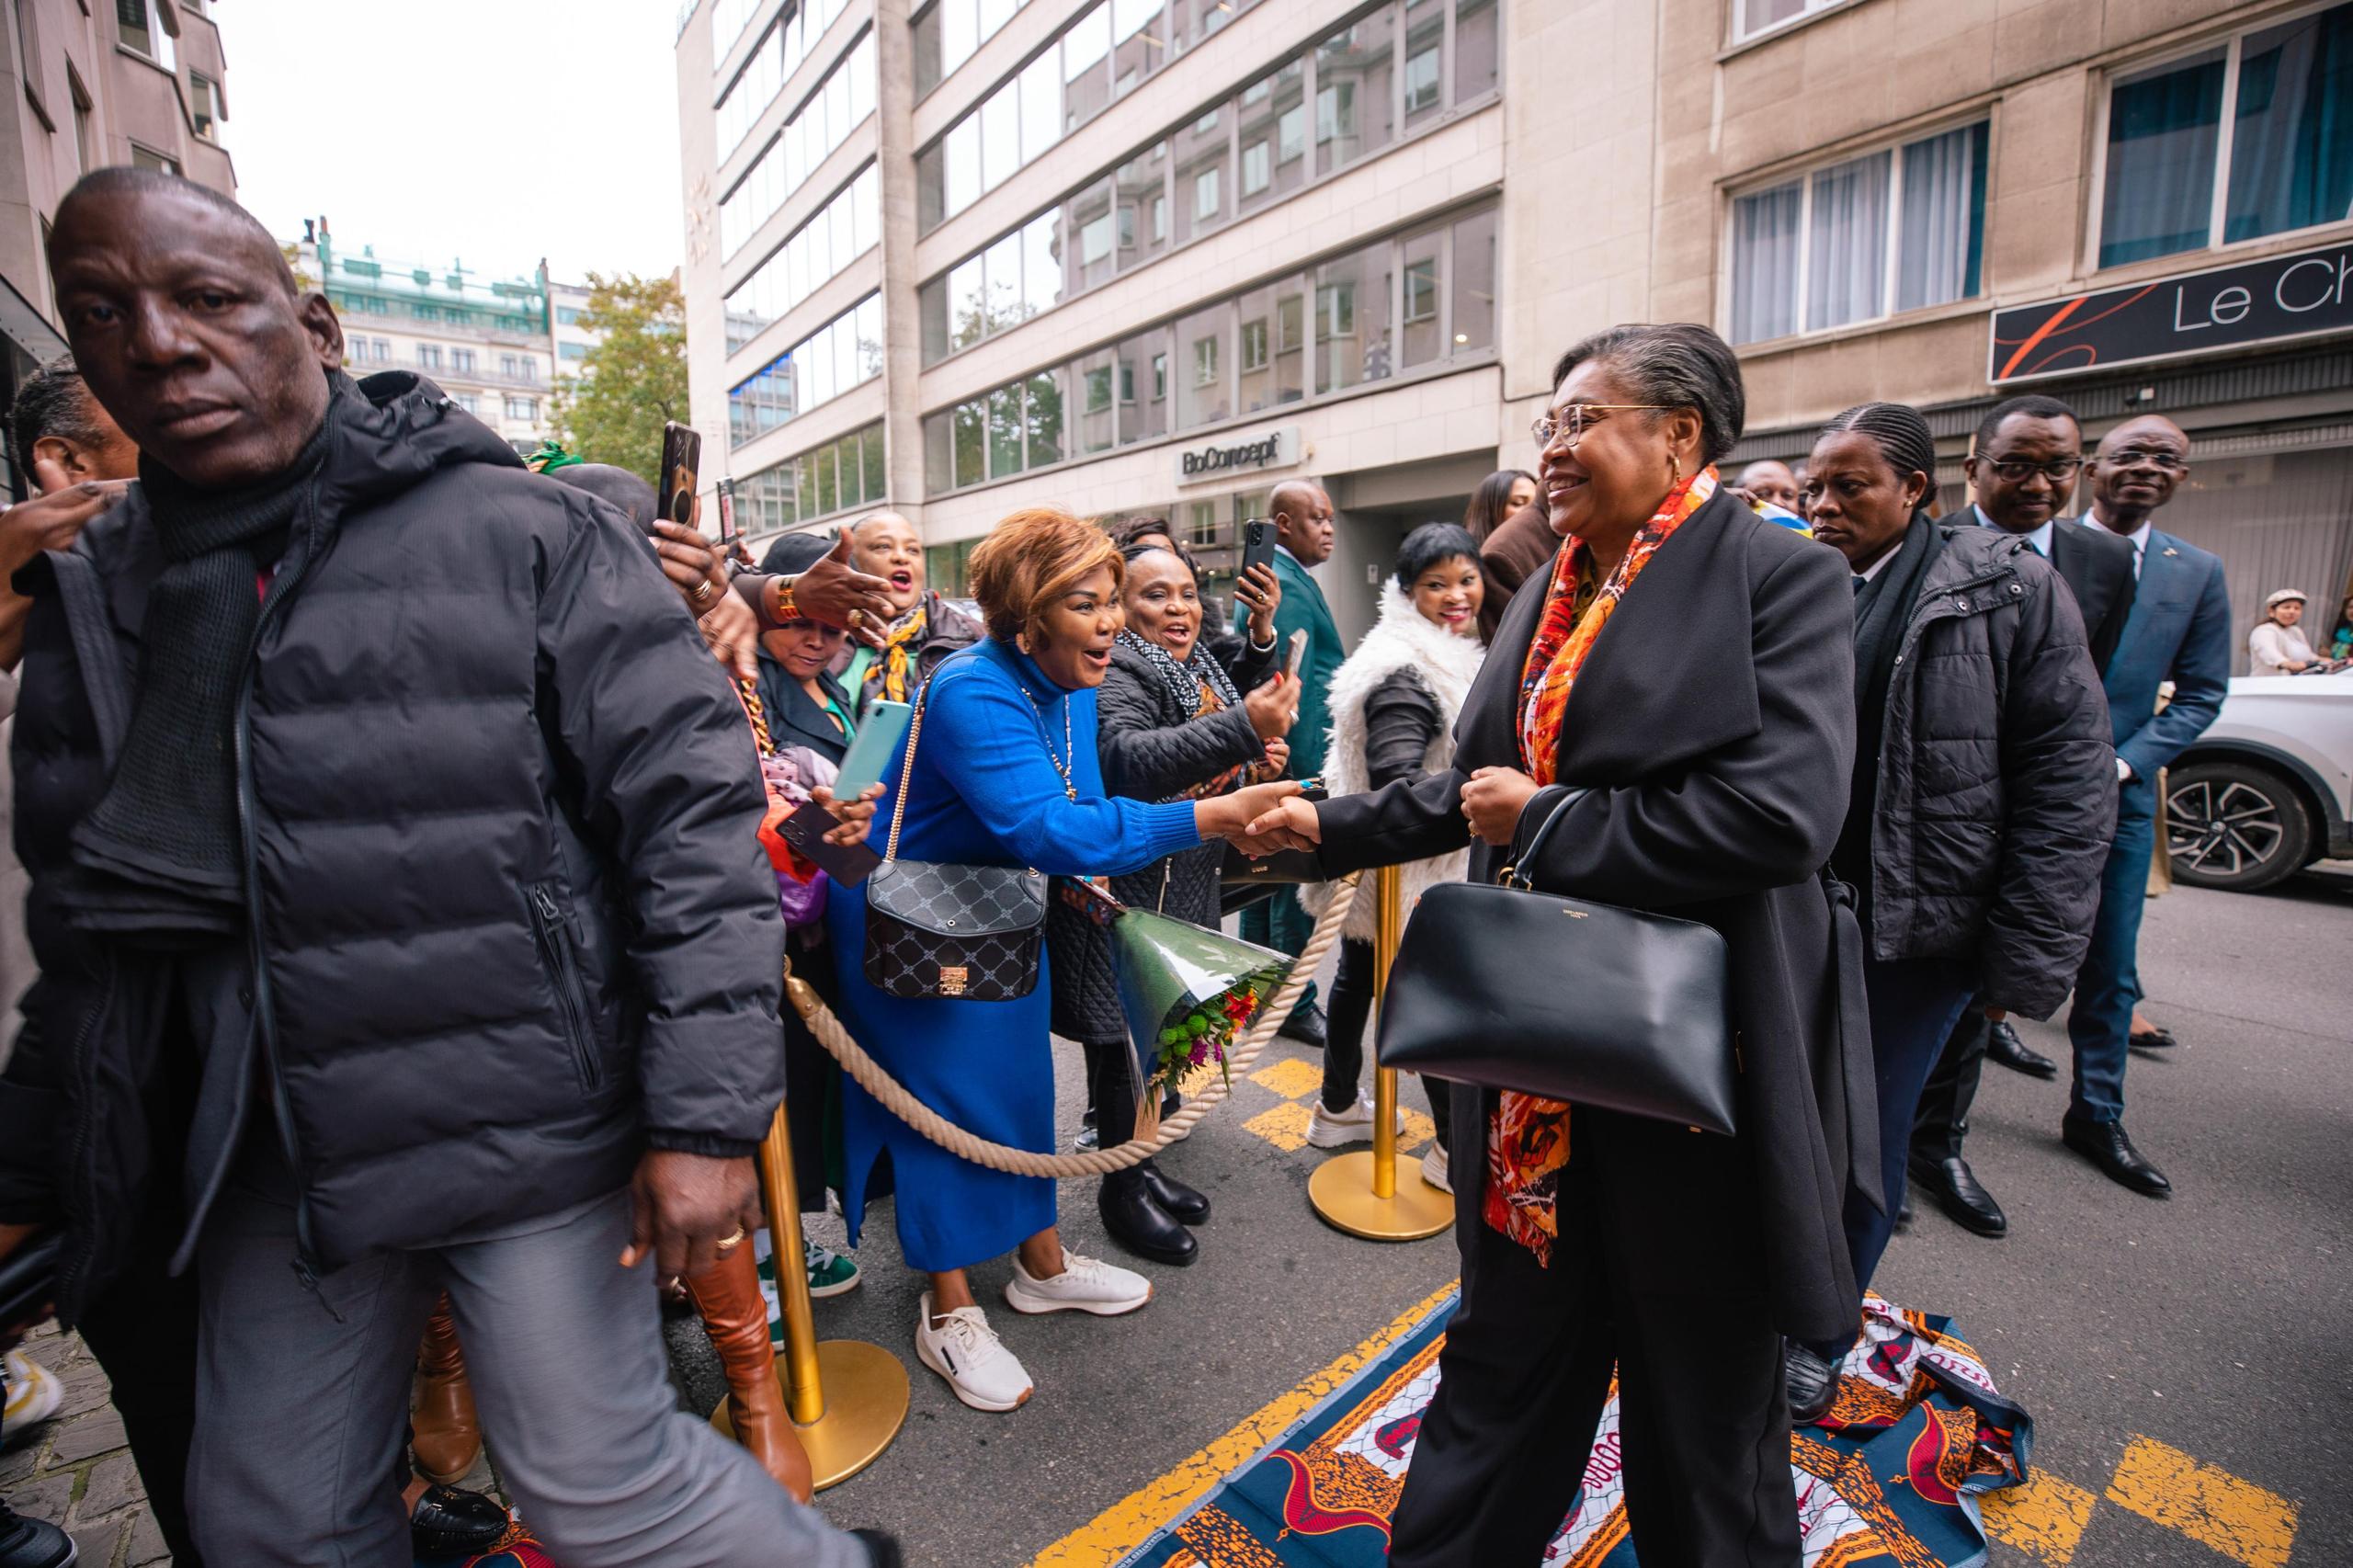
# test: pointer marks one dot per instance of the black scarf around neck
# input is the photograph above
(1183, 681)
(162, 851)
(1882, 610)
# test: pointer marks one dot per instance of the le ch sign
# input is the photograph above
(2304, 294)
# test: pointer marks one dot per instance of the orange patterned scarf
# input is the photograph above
(1527, 1141)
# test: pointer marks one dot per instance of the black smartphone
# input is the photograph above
(681, 463)
(805, 830)
(727, 511)
(1258, 545)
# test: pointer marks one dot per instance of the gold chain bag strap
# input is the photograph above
(941, 930)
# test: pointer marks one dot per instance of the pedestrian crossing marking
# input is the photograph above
(1290, 1077)
(1284, 1126)
(2236, 1518)
(2044, 1519)
(1418, 1130)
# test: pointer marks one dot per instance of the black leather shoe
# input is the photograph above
(1141, 1225)
(32, 1544)
(1903, 1214)
(1959, 1194)
(2104, 1145)
(882, 1549)
(1181, 1203)
(2002, 1045)
(2153, 1039)
(1305, 1025)
(1813, 1383)
(448, 1522)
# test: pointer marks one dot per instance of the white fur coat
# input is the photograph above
(1446, 665)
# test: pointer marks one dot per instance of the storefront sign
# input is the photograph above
(1256, 454)
(2282, 297)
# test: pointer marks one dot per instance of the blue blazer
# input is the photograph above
(2179, 631)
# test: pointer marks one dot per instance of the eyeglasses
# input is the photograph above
(2017, 471)
(2134, 457)
(1571, 420)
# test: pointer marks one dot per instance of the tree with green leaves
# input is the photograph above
(632, 381)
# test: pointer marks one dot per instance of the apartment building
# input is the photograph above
(128, 82)
(569, 342)
(487, 342)
(1152, 257)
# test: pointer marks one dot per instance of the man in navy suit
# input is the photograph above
(2179, 631)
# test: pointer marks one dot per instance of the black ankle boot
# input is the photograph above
(1141, 1225)
(1183, 1204)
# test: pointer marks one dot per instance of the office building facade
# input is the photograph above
(1152, 257)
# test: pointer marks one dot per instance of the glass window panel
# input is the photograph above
(1847, 247)
(1755, 15)
(1139, 42)
(959, 32)
(1352, 327)
(1478, 48)
(1142, 386)
(1473, 282)
(1095, 426)
(1765, 263)
(1273, 128)
(1041, 106)
(1048, 403)
(931, 307)
(1354, 69)
(828, 482)
(1421, 343)
(865, 210)
(938, 453)
(2162, 132)
(869, 338)
(963, 164)
(1002, 293)
(1425, 63)
(970, 441)
(2291, 141)
(849, 455)
(1001, 135)
(994, 14)
(967, 303)
(1941, 238)
(931, 187)
(1005, 431)
(861, 88)
(878, 473)
(1272, 359)
(1139, 185)
(1201, 154)
(1041, 266)
(927, 66)
(1204, 391)
(1086, 72)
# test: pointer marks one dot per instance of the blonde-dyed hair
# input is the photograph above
(1030, 559)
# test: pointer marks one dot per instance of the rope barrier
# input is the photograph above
(894, 1097)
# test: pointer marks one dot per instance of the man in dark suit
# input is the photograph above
(2022, 469)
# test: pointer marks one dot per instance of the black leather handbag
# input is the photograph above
(1513, 988)
(942, 930)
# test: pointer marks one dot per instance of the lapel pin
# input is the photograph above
(2171, 551)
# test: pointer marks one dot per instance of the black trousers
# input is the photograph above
(1344, 1015)
(1658, 1275)
(142, 1330)
(1941, 1124)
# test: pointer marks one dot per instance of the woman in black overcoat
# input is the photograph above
(1171, 725)
(1712, 722)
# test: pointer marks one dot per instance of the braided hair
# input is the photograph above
(1899, 432)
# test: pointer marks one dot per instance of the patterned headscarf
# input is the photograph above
(1527, 1141)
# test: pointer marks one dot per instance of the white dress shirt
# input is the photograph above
(2138, 539)
(2038, 538)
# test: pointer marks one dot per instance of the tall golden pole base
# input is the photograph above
(1341, 1190)
(866, 1403)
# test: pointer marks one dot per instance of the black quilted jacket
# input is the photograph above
(510, 922)
(1151, 750)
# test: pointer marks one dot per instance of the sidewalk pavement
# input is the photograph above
(74, 1469)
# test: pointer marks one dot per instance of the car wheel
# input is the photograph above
(2234, 825)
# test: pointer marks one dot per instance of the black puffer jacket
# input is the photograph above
(1997, 781)
(1151, 750)
(510, 920)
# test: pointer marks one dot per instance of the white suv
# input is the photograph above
(2269, 789)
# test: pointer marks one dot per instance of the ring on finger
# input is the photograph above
(702, 592)
(728, 1244)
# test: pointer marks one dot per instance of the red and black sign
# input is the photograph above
(2301, 295)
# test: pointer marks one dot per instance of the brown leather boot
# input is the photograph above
(443, 1434)
(736, 1316)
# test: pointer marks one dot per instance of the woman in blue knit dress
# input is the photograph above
(1006, 774)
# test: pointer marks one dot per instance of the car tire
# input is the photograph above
(2234, 825)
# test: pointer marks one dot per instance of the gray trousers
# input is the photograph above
(300, 1417)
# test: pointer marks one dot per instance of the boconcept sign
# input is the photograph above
(2302, 294)
(1276, 448)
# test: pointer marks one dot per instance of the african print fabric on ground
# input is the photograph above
(1892, 1475)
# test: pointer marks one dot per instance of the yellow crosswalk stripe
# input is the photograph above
(2236, 1518)
(1284, 1126)
(1290, 1077)
(2045, 1520)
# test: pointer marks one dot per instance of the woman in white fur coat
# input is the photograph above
(1393, 706)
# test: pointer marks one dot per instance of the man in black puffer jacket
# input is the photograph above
(394, 876)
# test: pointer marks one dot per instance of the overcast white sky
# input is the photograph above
(493, 132)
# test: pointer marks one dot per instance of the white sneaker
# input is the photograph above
(1085, 1284)
(1331, 1128)
(963, 1349)
(1434, 1168)
(33, 1394)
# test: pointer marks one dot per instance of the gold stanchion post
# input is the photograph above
(847, 1399)
(1359, 1192)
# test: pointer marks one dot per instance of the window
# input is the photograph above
(2235, 142)
(1901, 228)
(471, 404)
(947, 35)
(838, 107)
(1205, 196)
(85, 145)
(141, 31)
(205, 112)
(1254, 343)
(1424, 58)
(383, 351)
(1205, 361)
(838, 476)
(525, 408)
(1257, 168)
(506, 366)
(530, 367)
(572, 351)
(567, 315)
(148, 158)
(463, 359)
(1354, 69)
(769, 66)
(815, 255)
(844, 353)
(1763, 16)
(428, 356)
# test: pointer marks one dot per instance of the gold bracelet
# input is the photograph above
(785, 608)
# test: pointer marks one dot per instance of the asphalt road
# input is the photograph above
(2214, 1325)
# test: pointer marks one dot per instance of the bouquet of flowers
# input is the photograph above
(1187, 993)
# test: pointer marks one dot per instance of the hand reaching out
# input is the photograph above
(1288, 822)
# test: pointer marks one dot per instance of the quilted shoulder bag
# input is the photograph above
(938, 930)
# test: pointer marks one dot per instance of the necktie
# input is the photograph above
(1859, 580)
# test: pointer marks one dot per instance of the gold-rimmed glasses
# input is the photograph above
(1572, 418)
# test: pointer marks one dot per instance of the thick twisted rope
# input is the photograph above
(894, 1095)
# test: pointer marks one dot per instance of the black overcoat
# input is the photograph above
(1713, 723)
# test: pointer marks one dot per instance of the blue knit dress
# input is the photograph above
(985, 791)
